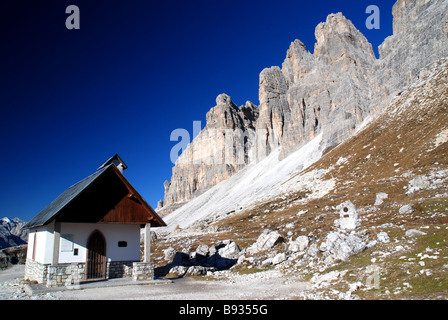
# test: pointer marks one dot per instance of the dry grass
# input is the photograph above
(382, 158)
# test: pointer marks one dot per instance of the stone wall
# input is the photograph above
(73, 273)
(65, 274)
(35, 271)
(142, 271)
(119, 269)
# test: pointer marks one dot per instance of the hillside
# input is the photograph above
(326, 95)
(350, 190)
(394, 171)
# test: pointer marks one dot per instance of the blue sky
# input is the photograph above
(134, 72)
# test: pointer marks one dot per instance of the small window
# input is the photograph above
(122, 244)
(75, 252)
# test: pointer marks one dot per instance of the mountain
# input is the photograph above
(367, 220)
(322, 98)
(12, 233)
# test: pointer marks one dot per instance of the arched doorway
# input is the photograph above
(96, 256)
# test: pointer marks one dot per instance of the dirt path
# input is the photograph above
(267, 285)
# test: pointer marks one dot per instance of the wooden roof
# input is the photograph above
(105, 196)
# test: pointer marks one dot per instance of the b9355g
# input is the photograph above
(245, 309)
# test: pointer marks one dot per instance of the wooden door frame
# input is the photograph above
(96, 231)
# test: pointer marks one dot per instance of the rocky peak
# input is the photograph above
(298, 62)
(272, 84)
(327, 93)
(226, 115)
(12, 232)
(219, 151)
(338, 38)
(224, 100)
(273, 108)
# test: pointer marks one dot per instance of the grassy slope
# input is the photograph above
(383, 157)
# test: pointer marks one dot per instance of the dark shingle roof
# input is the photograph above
(47, 214)
(111, 160)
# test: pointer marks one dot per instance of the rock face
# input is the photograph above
(420, 37)
(12, 233)
(207, 161)
(329, 92)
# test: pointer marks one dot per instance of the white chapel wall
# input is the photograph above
(44, 244)
(75, 236)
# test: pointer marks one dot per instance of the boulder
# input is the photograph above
(198, 270)
(340, 246)
(279, 258)
(178, 270)
(202, 250)
(417, 184)
(407, 209)
(414, 233)
(380, 197)
(267, 240)
(169, 254)
(383, 237)
(230, 251)
(300, 244)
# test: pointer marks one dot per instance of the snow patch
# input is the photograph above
(255, 183)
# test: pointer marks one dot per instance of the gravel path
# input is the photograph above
(227, 286)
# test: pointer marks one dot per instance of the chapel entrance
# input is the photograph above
(96, 256)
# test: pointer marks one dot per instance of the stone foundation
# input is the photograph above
(119, 269)
(68, 274)
(35, 271)
(142, 271)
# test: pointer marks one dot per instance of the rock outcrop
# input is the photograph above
(420, 37)
(12, 233)
(328, 92)
(219, 151)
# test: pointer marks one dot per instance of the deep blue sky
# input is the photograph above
(134, 72)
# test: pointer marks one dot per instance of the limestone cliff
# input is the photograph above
(207, 161)
(330, 91)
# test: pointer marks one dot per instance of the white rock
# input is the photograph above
(327, 277)
(380, 197)
(267, 240)
(383, 237)
(417, 184)
(300, 244)
(407, 209)
(341, 247)
(230, 251)
(169, 253)
(178, 270)
(279, 258)
(202, 249)
(414, 233)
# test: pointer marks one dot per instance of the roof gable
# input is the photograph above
(105, 196)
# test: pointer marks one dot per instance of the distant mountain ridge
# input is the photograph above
(12, 233)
